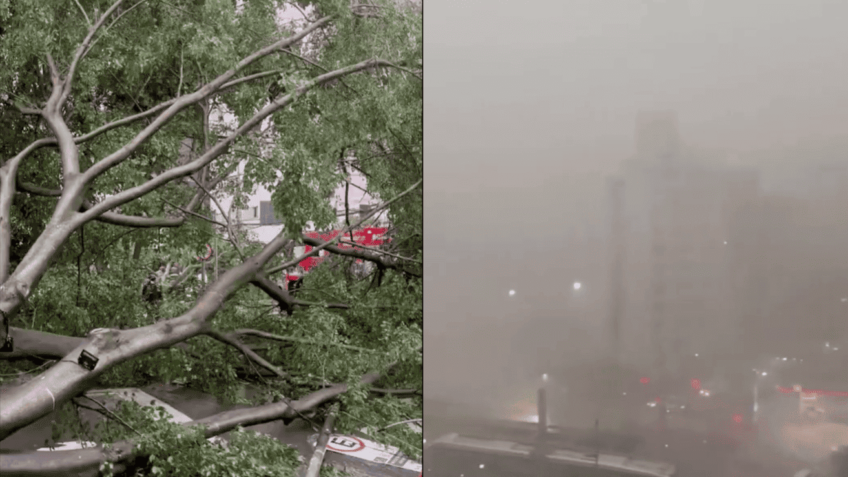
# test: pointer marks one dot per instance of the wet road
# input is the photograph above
(708, 451)
(805, 441)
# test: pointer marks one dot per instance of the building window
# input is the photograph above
(266, 214)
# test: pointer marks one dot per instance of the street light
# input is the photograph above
(577, 285)
(757, 393)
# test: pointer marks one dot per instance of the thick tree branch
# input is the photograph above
(38, 190)
(284, 298)
(372, 255)
(52, 114)
(64, 222)
(263, 74)
(26, 110)
(133, 221)
(41, 344)
(107, 217)
(113, 217)
(232, 340)
(219, 148)
(32, 400)
(87, 462)
(229, 420)
(8, 174)
(57, 233)
(398, 392)
(347, 191)
(44, 345)
(381, 252)
(44, 142)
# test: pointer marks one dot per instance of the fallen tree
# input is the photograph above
(132, 146)
(122, 455)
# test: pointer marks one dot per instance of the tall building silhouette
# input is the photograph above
(673, 279)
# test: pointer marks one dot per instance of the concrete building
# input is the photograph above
(673, 275)
(259, 217)
(798, 265)
(734, 261)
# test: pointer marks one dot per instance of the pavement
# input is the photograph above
(702, 450)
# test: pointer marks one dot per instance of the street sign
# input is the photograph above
(345, 444)
(370, 451)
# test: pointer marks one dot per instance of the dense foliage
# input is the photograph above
(366, 119)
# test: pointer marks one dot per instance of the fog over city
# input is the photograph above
(685, 162)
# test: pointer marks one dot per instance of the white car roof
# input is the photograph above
(142, 398)
(126, 394)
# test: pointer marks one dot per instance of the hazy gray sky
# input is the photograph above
(528, 104)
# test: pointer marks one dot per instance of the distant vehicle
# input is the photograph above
(453, 455)
(704, 411)
(669, 403)
(367, 236)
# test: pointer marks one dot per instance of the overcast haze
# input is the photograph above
(529, 105)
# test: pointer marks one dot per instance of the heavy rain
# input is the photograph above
(637, 232)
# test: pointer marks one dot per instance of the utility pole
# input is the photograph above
(618, 247)
(617, 242)
(660, 219)
(540, 450)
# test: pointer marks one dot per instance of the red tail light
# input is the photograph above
(737, 418)
(645, 380)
